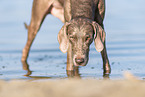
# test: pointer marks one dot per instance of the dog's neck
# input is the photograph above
(82, 8)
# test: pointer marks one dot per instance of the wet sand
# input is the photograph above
(131, 87)
(125, 41)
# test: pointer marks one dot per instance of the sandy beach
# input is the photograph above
(125, 40)
(130, 87)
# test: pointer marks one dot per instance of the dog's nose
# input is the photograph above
(79, 60)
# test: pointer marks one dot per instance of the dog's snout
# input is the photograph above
(79, 60)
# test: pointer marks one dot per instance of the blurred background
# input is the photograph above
(124, 25)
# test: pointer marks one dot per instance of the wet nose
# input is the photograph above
(79, 60)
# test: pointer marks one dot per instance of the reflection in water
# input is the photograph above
(106, 74)
(26, 67)
(74, 73)
(70, 74)
(29, 72)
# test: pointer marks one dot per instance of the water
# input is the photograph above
(124, 24)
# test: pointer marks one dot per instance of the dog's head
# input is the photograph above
(79, 33)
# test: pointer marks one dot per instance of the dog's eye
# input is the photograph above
(87, 38)
(71, 36)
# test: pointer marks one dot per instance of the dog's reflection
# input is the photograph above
(74, 74)
(26, 67)
(70, 74)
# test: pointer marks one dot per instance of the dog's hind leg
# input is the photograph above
(57, 10)
(39, 10)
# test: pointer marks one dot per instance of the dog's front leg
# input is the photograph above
(72, 71)
(70, 66)
(106, 64)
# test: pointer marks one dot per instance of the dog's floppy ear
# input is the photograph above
(62, 38)
(99, 36)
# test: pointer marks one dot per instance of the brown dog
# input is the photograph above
(83, 23)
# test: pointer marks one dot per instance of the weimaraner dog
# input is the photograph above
(83, 23)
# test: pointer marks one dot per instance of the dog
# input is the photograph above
(83, 24)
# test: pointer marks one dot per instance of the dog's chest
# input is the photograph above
(83, 8)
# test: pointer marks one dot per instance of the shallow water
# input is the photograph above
(124, 25)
